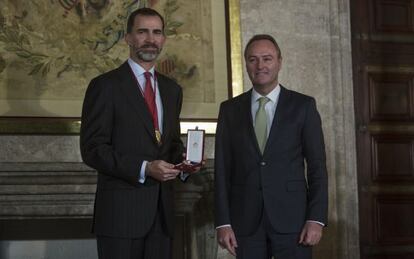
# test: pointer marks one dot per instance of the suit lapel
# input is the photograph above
(163, 88)
(130, 86)
(247, 120)
(279, 117)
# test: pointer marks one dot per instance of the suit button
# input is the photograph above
(263, 163)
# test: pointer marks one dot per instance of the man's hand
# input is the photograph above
(311, 234)
(161, 170)
(190, 169)
(227, 239)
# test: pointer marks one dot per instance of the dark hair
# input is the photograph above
(144, 12)
(258, 37)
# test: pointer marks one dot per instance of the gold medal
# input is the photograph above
(158, 136)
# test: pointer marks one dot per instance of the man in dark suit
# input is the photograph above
(131, 135)
(264, 204)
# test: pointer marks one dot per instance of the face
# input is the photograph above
(263, 65)
(146, 39)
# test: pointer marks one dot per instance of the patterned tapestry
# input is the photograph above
(51, 49)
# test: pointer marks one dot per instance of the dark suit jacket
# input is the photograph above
(248, 183)
(117, 135)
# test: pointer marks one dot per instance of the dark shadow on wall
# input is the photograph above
(4, 250)
(41, 229)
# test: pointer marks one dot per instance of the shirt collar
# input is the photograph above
(138, 69)
(273, 95)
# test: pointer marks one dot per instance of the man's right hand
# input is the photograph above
(227, 239)
(161, 170)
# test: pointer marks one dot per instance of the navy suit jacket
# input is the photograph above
(248, 183)
(117, 135)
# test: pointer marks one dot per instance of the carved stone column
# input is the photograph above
(194, 205)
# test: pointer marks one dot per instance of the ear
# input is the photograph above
(127, 39)
(164, 38)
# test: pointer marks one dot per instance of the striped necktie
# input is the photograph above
(149, 96)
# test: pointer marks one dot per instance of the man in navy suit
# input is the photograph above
(131, 135)
(267, 202)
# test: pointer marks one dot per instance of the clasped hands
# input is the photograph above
(164, 171)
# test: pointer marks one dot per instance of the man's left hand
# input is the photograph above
(311, 234)
(194, 169)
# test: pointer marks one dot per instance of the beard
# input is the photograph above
(144, 54)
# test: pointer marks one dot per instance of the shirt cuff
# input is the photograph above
(142, 175)
(317, 222)
(222, 226)
(183, 176)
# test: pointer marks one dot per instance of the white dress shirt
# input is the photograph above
(139, 74)
(270, 107)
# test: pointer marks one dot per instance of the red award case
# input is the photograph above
(195, 151)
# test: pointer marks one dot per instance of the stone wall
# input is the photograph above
(315, 40)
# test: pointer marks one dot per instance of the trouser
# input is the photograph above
(155, 245)
(266, 242)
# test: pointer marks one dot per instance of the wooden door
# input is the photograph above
(383, 71)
